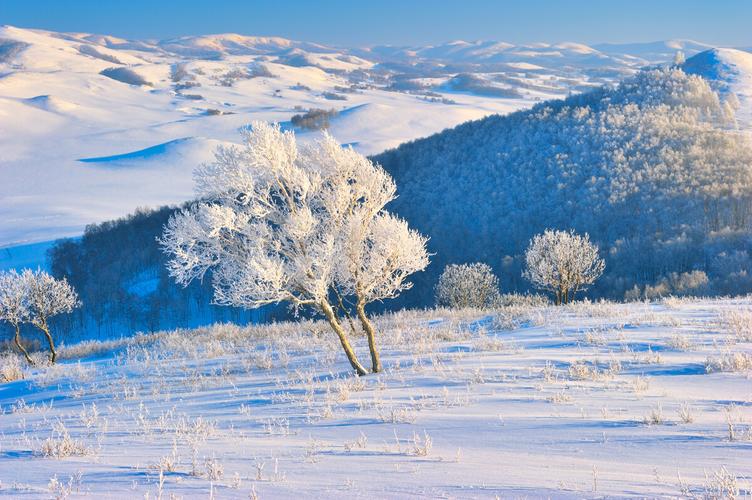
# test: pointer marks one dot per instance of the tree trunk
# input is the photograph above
(21, 348)
(46, 330)
(371, 334)
(332, 319)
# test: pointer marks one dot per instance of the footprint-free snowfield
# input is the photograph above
(583, 401)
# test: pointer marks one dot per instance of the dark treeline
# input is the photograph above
(118, 269)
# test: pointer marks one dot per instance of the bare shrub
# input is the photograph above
(61, 445)
(10, 368)
(729, 362)
(655, 417)
(738, 323)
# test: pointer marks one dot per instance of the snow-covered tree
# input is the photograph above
(14, 306)
(378, 255)
(47, 297)
(562, 262)
(275, 224)
(375, 251)
(679, 58)
(467, 285)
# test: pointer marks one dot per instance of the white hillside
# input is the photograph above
(56, 108)
(731, 72)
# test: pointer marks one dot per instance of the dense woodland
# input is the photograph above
(653, 170)
(119, 271)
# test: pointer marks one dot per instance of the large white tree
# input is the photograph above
(562, 262)
(276, 224)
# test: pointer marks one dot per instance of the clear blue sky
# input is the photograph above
(398, 22)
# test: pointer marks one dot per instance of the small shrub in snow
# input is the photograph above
(655, 417)
(721, 485)
(679, 342)
(61, 445)
(10, 368)
(421, 444)
(523, 300)
(61, 490)
(729, 362)
(563, 263)
(214, 470)
(468, 285)
(738, 323)
(580, 370)
(685, 413)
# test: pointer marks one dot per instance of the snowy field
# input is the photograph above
(582, 401)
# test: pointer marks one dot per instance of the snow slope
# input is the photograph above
(584, 401)
(731, 72)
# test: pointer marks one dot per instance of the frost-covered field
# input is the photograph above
(588, 400)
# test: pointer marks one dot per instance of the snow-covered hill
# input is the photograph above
(66, 97)
(730, 71)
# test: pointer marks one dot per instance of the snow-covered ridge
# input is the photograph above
(730, 70)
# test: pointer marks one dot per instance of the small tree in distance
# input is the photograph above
(562, 262)
(14, 306)
(34, 297)
(48, 297)
(467, 285)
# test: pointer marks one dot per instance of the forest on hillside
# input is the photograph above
(654, 170)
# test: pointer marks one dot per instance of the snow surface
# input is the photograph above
(56, 108)
(497, 393)
(731, 72)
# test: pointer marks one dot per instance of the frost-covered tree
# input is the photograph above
(679, 58)
(375, 251)
(562, 262)
(651, 169)
(378, 255)
(47, 297)
(14, 306)
(276, 225)
(467, 285)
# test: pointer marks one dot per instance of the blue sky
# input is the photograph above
(398, 22)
